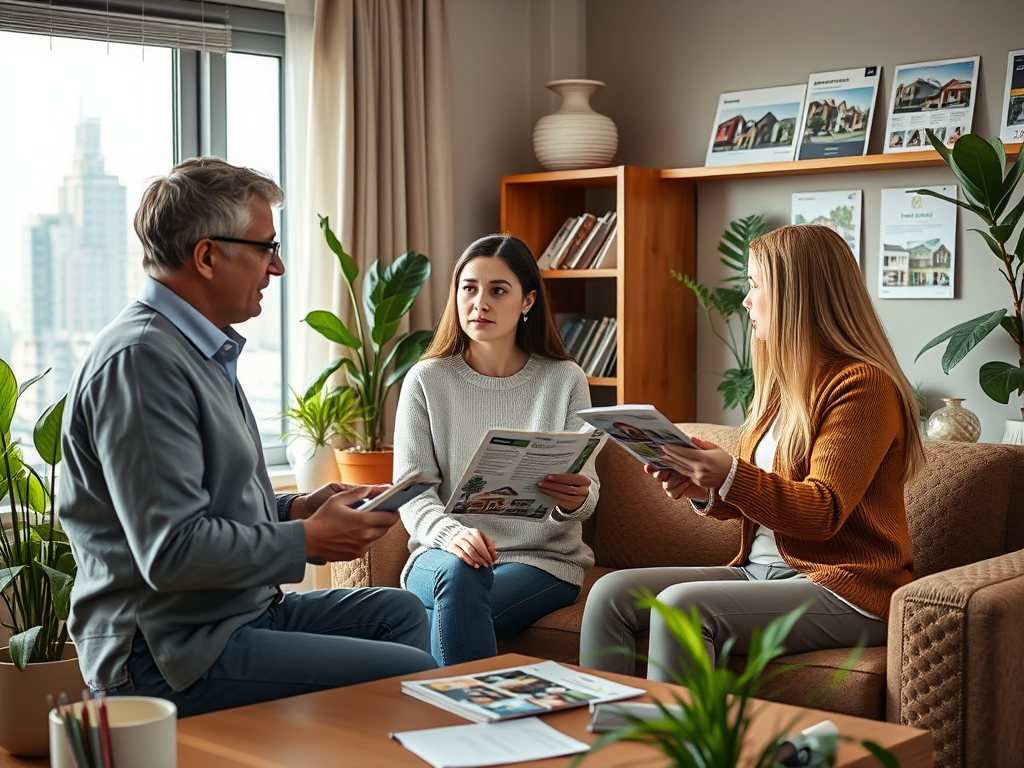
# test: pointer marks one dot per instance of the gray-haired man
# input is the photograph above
(179, 539)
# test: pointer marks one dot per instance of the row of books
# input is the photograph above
(584, 242)
(592, 341)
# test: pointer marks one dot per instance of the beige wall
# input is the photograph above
(665, 63)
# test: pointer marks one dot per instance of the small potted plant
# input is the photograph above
(376, 364)
(37, 571)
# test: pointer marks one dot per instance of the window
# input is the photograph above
(84, 130)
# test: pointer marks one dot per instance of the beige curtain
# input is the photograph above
(378, 156)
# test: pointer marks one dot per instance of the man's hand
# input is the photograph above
(304, 506)
(336, 532)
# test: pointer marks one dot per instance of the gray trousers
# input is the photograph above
(731, 601)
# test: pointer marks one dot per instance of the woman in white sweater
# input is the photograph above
(496, 361)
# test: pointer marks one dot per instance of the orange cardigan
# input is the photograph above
(839, 517)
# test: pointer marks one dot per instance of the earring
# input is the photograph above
(524, 317)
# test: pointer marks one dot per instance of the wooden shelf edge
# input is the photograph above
(891, 162)
(602, 381)
(562, 274)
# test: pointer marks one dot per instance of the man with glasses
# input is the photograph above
(179, 539)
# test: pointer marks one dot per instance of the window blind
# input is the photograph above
(157, 26)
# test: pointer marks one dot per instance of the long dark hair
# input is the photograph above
(537, 335)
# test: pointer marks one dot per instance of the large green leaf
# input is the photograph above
(60, 590)
(1010, 182)
(8, 396)
(392, 295)
(963, 338)
(46, 434)
(29, 490)
(1004, 230)
(737, 388)
(22, 646)
(407, 351)
(321, 378)
(7, 575)
(999, 379)
(349, 268)
(26, 384)
(329, 325)
(1012, 326)
(979, 169)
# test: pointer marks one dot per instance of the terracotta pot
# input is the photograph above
(369, 468)
(24, 713)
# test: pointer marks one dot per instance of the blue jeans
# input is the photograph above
(471, 609)
(308, 642)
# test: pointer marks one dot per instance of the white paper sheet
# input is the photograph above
(473, 746)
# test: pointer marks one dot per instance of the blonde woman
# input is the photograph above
(817, 485)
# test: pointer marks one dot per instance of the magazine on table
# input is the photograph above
(641, 429)
(837, 117)
(839, 211)
(521, 691)
(757, 126)
(938, 95)
(503, 474)
(1011, 127)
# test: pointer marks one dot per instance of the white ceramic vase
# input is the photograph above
(954, 422)
(575, 136)
(1014, 434)
(314, 466)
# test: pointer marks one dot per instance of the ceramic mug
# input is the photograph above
(142, 733)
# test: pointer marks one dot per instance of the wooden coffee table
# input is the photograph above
(350, 726)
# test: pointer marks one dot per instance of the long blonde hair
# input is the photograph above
(819, 311)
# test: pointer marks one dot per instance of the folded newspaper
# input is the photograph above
(530, 689)
(640, 429)
(503, 474)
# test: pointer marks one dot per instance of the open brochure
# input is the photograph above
(640, 429)
(529, 689)
(503, 474)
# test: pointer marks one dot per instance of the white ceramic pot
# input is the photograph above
(314, 466)
(575, 136)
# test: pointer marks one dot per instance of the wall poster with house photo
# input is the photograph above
(1011, 127)
(839, 211)
(937, 95)
(757, 126)
(837, 119)
(918, 244)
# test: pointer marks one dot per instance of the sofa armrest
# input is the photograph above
(380, 567)
(956, 661)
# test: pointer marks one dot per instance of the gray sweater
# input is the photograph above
(166, 500)
(443, 413)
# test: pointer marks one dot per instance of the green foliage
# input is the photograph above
(323, 413)
(38, 568)
(978, 165)
(922, 401)
(388, 293)
(726, 301)
(708, 727)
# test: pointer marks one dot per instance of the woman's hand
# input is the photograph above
(473, 547)
(570, 491)
(677, 486)
(708, 467)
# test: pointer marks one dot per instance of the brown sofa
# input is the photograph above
(954, 663)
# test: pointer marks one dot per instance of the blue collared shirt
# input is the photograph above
(222, 347)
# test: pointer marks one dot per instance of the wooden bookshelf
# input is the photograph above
(656, 323)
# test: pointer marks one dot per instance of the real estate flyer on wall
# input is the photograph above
(503, 474)
(1011, 127)
(757, 126)
(837, 119)
(937, 95)
(839, 211)
(918, 244)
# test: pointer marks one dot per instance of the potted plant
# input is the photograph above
(37, 571)
(316, 417)
(708, 728)
(374, 367)
(979, 165)
(737, 385)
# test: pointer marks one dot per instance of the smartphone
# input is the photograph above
(395, 496)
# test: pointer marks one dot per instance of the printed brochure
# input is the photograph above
(937, 95)
(756, 126)
(530, 689)
(503, 474)
(837, 117)
(918, 244)
(1011, 129)
(641, 429)
(839, 211)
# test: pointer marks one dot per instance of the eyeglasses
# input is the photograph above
(271, 245)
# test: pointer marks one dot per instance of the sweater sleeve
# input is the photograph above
(860, 421)
(578, 400)
(424, 516)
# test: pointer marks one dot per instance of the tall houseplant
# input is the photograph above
(979, 165)
(388, 293)
(726, 301)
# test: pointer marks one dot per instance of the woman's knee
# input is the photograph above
(614, 591)
(449, 574)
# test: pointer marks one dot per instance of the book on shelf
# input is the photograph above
(604, 351)
(587, 330)
(501, 479)
(544, 260)
(587, 353)
(589, 249)
(608, 256)
(571, 333)
(641, 429)
(521, 691)
(576, 238)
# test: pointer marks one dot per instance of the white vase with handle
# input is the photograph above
(314, 465)
(575, 136)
